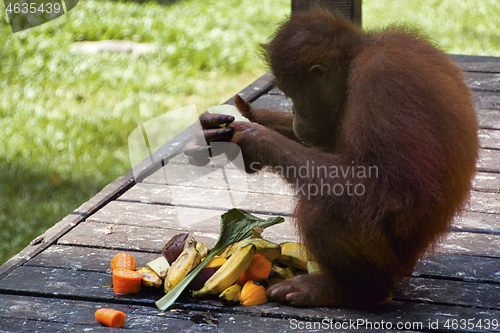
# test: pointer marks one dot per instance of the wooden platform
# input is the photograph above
(58, 282)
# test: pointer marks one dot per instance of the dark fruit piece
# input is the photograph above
(201, 278)
(174, 247)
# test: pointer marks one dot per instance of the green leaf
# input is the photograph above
(235, 225)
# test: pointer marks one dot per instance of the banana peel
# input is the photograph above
(187, 260)
(149, 277)
(264, 247)
(229, 272)
(293, 254)
(202, 250)
(231, 294)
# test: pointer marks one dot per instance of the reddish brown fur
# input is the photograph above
(386, 99)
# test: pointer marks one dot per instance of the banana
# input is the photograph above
(268, 249)
(278, 274)
(149, 277)
(231, 294)
(313, 267)
(202, 249)
(187, 260)
(229, 272)
(293, 254)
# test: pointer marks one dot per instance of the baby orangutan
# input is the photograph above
(389, 103)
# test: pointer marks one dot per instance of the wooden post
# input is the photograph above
(349, 8)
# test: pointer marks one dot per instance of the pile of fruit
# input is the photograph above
(238, 274)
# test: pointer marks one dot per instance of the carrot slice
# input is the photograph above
(126, 281)
(123, 260)
(110, 317)
(258, 270)
(242, 279)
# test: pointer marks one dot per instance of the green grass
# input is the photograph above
(457, 26)
(65, 117)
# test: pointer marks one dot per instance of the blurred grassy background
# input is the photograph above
(65, 117)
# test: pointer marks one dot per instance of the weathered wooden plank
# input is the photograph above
(67, 312)
(465, 268)
(473, 244)
(21, 312)
(85, 258)
(108, 193)
(151, 239)
(489, 160)
(434, 291)
(35, 314)
(156, 216)
(486, 182)
(486, 100)
(489, 138)
(275, 101)
(260, 202)
(261, 86)
(161, 156)
(450, 292)
(419, 316)
(484, 202)
(40, 243)
(96, 286)
(65, 282)
(129, 237)
(252, 202)
(218, 175)
(204, 221)
(488, 119)
(202, 197)
(142, 214)
(483, 81)
(478, 222)
(458, 267)
(479, 67)
(39, 326)
(472, 58)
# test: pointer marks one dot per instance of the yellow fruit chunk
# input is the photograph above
(253, 293)
(216, 262)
